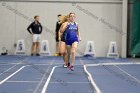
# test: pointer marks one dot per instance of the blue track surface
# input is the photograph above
(65, 81)
(25, 74)
(110, 79)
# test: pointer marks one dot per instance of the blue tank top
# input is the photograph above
(71, 31)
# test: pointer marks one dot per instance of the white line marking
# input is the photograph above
(97, 90)
(46, 72)
(72, 82)
(108, 64)
(128, 74)
(11, 75)
(22, 81)
(8, 69)
(9, 63)
(48, 80)
(38, 64)
(54, 64)
(19, 62)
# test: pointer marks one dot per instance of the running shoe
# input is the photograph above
(71, 68)
(65, 66)
(68, 64)
(32, 54)
(37, 54)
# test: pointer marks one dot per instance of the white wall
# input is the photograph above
(13, 24)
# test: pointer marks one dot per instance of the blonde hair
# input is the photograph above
(63, 18)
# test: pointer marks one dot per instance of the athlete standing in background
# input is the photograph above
(58, 25)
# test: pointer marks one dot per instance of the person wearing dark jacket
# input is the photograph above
(35, 29)
(58, 24)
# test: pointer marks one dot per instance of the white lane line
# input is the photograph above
(54, 64)
(9, 69)
(48, 80)
(9, 63)
(43, 64)
(97, 90)
(19, 62)
(22, 81)
(46, 72)
(38, 64)
(1, 82)
(128, 74)
(109, 64)
(72, 82)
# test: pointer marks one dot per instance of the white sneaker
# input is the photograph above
(65, 66)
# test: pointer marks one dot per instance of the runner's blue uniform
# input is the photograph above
(71, 34)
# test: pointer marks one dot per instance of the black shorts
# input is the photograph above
(56, 37)
(63, 38)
